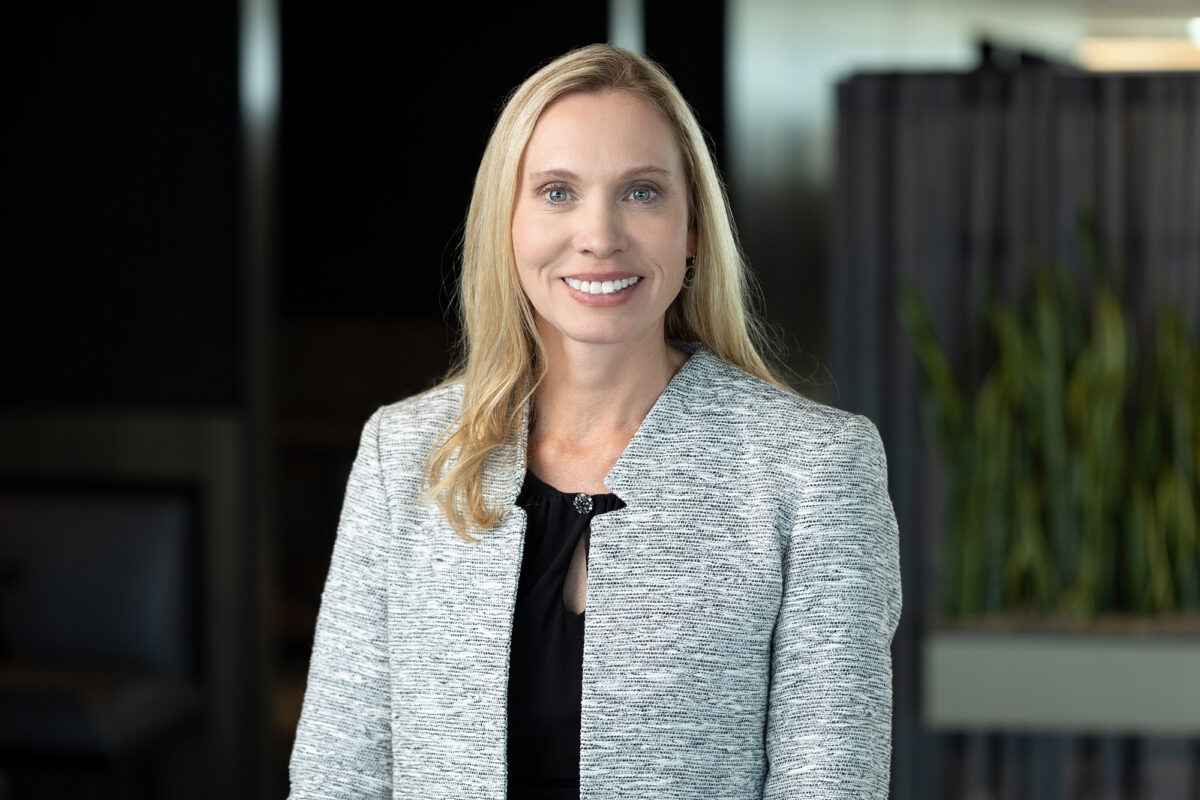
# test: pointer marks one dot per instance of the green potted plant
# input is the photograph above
(1072, 475)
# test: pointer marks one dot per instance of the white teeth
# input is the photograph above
(601, 287)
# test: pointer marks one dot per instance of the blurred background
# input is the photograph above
(229, 232)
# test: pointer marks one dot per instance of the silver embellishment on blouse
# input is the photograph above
(583, 503)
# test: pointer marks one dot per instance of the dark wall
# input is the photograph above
(119, 180)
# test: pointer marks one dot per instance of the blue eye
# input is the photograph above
(557, 195)
(642, 195)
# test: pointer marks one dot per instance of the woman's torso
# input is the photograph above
(684, 589)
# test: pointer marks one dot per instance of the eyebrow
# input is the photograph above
(567, 175)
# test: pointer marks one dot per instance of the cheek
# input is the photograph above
(532, 243)
(669, 238)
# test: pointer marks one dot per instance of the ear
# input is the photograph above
(691, 240)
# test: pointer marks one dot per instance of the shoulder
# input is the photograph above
(721, 394)
(405, 432)
(423, 415)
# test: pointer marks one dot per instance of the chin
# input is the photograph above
(613, 331)
(597, 336)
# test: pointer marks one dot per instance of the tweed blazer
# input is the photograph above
(740, 611)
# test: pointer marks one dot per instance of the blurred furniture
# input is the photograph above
(99, 628)
(131, 623)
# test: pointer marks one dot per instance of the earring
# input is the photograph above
(689, 275)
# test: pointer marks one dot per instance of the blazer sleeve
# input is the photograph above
(829, 713)
(343, 742)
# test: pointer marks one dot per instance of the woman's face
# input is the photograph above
(600, 226)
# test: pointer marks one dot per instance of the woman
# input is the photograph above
(613, 456)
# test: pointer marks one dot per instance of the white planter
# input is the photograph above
(1067, 682)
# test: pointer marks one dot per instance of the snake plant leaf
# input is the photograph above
(1140, 523)
(946, 405)
(1162, 591)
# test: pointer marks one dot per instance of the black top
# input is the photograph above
(545, 677)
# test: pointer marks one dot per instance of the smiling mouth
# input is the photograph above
(600, 287)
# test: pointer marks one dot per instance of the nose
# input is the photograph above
(601, 231)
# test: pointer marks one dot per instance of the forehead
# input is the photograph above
(610, 128)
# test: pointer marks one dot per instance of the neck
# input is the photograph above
(594, 392)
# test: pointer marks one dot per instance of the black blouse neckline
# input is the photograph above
(536, 491)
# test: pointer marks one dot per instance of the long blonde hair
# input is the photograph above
(501, 358)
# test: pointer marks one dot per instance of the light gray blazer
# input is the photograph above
(740, 611)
